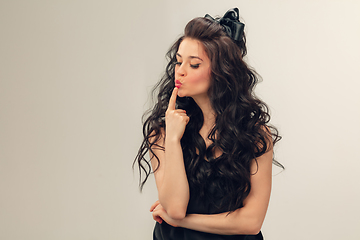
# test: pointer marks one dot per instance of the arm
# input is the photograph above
(170, 177)
(246, 220)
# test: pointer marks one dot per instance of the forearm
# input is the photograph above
(174, 190)
(246, 220)
(238, 222)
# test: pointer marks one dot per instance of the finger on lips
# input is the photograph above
(172, 101)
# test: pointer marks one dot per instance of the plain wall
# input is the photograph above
(75, 77)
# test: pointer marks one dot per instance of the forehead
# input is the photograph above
(191, 47)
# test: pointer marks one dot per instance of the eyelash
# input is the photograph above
(192, 66)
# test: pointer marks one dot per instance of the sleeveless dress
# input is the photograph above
(198, 205)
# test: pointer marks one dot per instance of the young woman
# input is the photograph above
(210, 145)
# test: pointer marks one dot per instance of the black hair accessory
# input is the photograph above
(230, 23)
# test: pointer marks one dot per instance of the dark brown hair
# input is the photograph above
(241, 126)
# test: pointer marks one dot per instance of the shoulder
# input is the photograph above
(157, 136)
(157, 147)
(266, 138)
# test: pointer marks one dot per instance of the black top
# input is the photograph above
(199, 205)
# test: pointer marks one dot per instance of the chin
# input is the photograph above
(181, 94)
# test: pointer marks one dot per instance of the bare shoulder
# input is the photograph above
(157, 148)
(157, 138)
(157, 155)
(268, 138)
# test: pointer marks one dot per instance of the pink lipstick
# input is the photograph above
(178, 83)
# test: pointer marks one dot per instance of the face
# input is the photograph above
(192, 70)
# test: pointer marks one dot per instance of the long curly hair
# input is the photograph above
(241, 130)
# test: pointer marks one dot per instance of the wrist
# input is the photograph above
(172, 139)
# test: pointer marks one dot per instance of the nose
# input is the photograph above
(180, 71)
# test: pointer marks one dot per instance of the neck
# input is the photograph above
(208, 112)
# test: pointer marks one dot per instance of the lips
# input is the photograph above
(178, 83)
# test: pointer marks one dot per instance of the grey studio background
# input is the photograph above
(74, 81)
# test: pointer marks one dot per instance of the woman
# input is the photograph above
(211, 149)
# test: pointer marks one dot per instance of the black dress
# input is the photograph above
(198, 205)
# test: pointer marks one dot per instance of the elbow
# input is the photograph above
(253, 227)
(176, 214)
(175, 209)
(254, 230)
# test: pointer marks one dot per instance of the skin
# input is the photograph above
(193, 70)
(171, 180)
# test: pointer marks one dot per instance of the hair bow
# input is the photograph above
(230, 23)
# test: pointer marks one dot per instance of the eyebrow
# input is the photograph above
(177, 54)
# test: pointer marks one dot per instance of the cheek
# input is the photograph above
(202, 78)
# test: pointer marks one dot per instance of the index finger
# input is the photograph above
(172, 101)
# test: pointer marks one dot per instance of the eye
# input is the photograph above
(178, 63)
(195, 66)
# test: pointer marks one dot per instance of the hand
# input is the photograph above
(175, 119)
(160, 215)
(156, 217)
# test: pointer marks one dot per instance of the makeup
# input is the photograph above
(178, 83)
